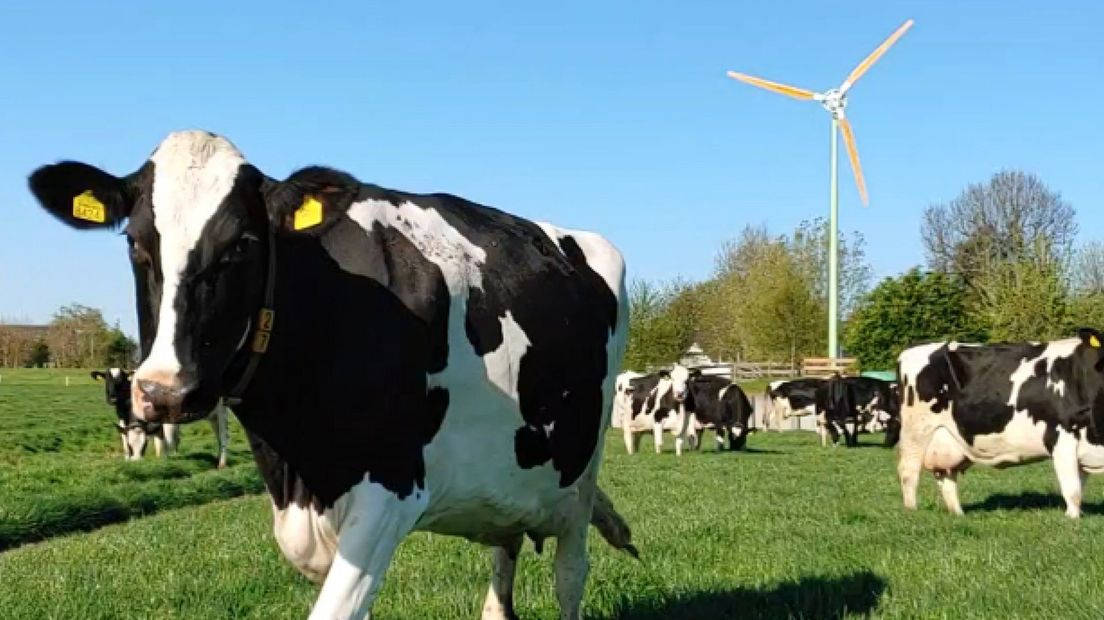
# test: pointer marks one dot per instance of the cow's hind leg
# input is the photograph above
(1068, 468)
(499, 604)
(948, 487)
(376, 522)
(910, 462)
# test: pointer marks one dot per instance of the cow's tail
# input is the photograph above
(611, 525)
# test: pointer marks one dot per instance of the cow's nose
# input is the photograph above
(161, 395)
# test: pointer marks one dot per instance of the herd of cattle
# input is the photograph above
(684, 402)
(470, 362)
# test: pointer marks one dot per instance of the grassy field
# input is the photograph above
(785, 529)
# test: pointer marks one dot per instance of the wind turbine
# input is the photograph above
(834, 101)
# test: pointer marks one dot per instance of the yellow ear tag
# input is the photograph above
(309, 214)
(1094, 342)
(87, 207)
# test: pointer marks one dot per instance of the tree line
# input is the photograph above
(1000, 265)
(76, 337)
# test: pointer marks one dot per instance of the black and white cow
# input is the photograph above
(400, 362)
(718, 403)
(845, 405)
(1002, 405)
(793, 398)
(653, 404)
(622, 399)
(135, 433)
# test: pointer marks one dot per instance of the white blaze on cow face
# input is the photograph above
(680, 382)
(194, 172)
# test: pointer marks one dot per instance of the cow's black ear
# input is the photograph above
(97, 375)
(664, 374)
(80, 195)
(310, 200)
(1090, 337)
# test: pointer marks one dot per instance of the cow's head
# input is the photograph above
(675, 381)
(116, 384)
(196, 216)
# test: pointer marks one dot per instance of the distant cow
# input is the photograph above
(845, 405)
(1002, 405)
(135, 432)
(717, 402)
(653, 404)
(793, 398)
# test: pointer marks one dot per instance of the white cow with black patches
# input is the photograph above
(404, 362)
(1002, 405)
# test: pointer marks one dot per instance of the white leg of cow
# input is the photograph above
(499, 604)
(657, 434)
(719, 437)
(158, 445)
(1069, 473)
(948, 487)
(571, 571)
(630, 438)
(222, 433)
(910, 461)
(376, 522)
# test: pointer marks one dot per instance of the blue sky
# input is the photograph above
(614, 117)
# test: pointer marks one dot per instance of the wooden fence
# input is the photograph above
(825, 366)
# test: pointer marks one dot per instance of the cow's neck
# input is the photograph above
(341, 389)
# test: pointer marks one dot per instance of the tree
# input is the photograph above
(1013, 218)
(78, 336)
(120, 349)
(39, 356)
(810, 245)
(661, 326)
(1087, 268)
(1020, 301)
(911, 309)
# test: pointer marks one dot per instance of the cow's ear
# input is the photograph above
(1090, 337)
(310, 200)
(97, 375)
(80, 195)
(663, 374)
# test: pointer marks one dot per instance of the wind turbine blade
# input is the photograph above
(783, 89)
(853, 155)
(874, 56)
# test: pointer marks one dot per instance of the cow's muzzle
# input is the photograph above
(159, 401)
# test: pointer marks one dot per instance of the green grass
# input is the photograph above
(784, 530)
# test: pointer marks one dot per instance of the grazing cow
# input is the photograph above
(845, 405)
(718, 403)
(400, 362)
(135, 433)
(1002, 405)
(794, 398)
(654, 403)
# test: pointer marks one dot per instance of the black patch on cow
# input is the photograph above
(342, 392)
(566, 310)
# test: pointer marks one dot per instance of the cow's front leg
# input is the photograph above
(222, 433)
(657, 433)
(499, 604)
(630, 437)
(1068, 468)
(374, 524)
